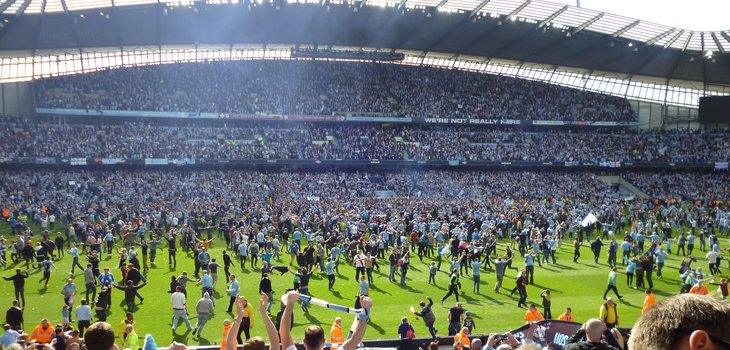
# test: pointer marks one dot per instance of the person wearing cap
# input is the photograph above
(609, 313)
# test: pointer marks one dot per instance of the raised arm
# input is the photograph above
(270, 327)
(362, 323)
(285, 324)
(233, 331)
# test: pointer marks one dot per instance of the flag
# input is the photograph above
(590, 219)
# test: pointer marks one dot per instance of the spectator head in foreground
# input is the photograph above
(683, 322)
(99, 336)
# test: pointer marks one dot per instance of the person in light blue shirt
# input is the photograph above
(207, 281)
(74, 252)
(242, 254)
(83, 316)
(530, 267)
(476, 265)
(232, 292)
(364, 286)
(630, 268)
(640, 240)
(329, 269)
(9, 337)
(660, 256)
(626, 249)
(690, 243)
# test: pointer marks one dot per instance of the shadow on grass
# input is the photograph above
(203, 341)
(376, 327)
(182, 338)
(379, 289)
(312, 319)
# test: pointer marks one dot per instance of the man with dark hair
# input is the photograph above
(130, 292)
(99, 336)
(611, 285)
(428, 316)
(83, 316)
(314, 335)
(14, 316)
(19, 284)
(684, 321)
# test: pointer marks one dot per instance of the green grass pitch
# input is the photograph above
(579, 286)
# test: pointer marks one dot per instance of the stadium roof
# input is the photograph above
(522, 30)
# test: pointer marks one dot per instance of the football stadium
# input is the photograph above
(282, 174)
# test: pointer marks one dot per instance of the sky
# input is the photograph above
(697, 15)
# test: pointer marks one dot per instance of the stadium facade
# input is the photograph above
(662, 70)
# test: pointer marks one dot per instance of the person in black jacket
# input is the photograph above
(265, 287)
(428, 317)
(102, 303)
(14, 316)
(19, 284)
(594, 336)
(227, 263)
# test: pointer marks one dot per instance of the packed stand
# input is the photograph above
(132, 139)
(326, 88)
(704, 187)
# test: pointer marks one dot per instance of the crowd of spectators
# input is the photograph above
(683, 185)
(112, 192)
(133, 139)
(326, 88)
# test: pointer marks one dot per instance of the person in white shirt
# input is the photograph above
(179, 309)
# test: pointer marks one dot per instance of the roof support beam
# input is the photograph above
(659, 37)
(6, 27)
(37, 31)
(552, 17)
(442, 3)
(476, 10)
(22, 8)
(704, 62)
(6, 4)
(717, 42)
(73, 30)
(726, 36)
(686, 42)
(674, 39)
(517, 10)
(625, 29)
(587, 23)
(398, 7)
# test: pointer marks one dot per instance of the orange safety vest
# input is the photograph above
(533, 316)
(225, 335)
(43, 336)
(649, 301)
(336, 334)
(566, 317)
